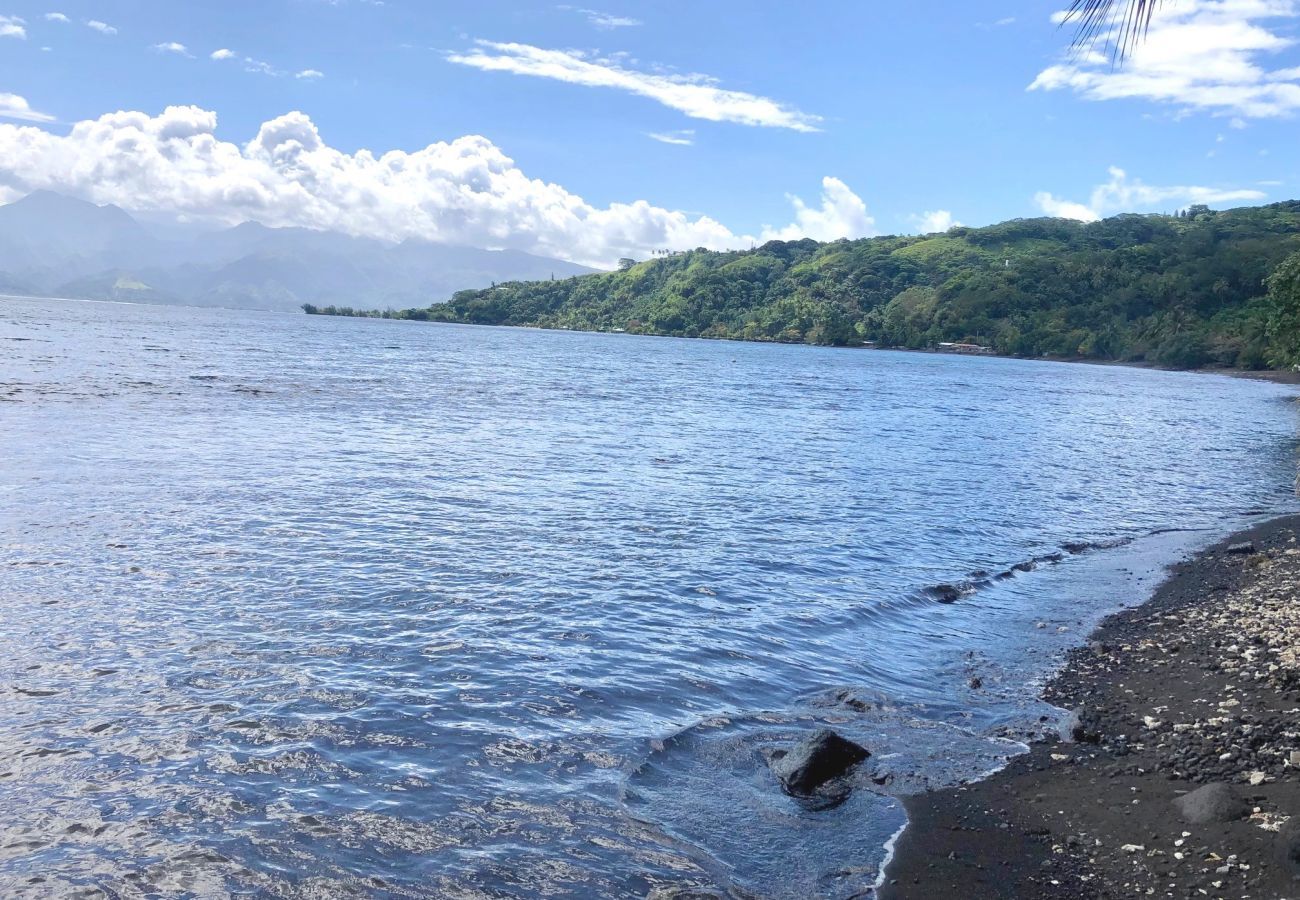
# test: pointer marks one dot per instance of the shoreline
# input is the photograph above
(1198, 685)
(1277, 376)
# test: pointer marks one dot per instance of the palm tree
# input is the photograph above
(1094, 19)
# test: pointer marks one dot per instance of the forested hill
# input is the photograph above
(1186, 290)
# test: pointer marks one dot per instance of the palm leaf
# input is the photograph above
(1121, 22)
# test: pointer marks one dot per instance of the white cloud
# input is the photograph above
(101, 27)
(934, 221)
(466, 191)
(842, 214)
(172, 47)
(1124, 194)
(57, 17)
(1052, 205)
(683, 138)
(12, 26)
(14, 107)
(1000, 23)
(257, 67)
(695, 95)
(1207, 55)
(603, 19)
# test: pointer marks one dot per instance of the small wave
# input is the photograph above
(952, 591)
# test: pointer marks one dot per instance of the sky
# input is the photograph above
(591, 133)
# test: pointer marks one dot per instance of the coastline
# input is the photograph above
(1277, 376)
(1199, 685)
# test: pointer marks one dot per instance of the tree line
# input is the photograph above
(1199, 288)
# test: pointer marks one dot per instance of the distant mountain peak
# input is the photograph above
(43, 211)
(71, 247)
(54, 201)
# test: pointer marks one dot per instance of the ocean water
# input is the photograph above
(310, 607)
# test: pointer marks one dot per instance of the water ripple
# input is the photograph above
(305, 607)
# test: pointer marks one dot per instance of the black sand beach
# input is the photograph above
(1199, 686)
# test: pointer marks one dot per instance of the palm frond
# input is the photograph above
(1122, 23)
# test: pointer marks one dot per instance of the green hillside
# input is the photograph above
(1187, 290)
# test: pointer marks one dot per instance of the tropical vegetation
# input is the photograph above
(1198, 288)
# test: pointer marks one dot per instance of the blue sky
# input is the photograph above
(882, 117)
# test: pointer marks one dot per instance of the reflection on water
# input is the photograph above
(313, 607)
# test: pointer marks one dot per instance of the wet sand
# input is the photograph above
(1200, 685)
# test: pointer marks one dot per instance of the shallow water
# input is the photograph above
(300, 606)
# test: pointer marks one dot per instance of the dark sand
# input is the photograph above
(1199, 685)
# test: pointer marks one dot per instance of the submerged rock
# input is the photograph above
(683, 893)
(1216, 802)
(947, 593)
(848, 698)
(817, 759)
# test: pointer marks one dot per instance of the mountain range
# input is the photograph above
(54, 245)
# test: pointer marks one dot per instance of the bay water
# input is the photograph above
(315, 607)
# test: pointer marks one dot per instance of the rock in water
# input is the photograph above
(816, 760)
(946, 593)
(1212, 803)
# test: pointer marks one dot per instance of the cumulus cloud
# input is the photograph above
(57, 17)
(683, 138)
(1054, 206)
(1207, 55)
(841, 215)
(101, 27)
(934, 221)
(695, 95)
(465, 191)
(14, 107)
(310, 74)
(223, 53)
(12, 26)
(1125, 194)
(172, 47)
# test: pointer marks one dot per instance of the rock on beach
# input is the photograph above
(1216, 802)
